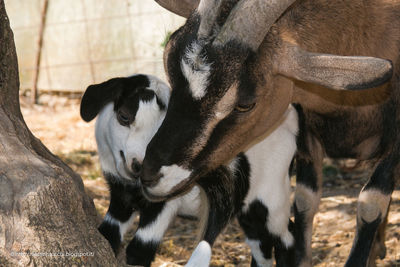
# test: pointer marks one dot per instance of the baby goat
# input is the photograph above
(255, 186)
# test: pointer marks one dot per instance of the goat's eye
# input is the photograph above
(123, 119)
(245, 107)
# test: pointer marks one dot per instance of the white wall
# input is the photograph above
(89, 41)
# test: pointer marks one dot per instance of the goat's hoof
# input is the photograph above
(382, 252)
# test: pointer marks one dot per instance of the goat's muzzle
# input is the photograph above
(136, 168)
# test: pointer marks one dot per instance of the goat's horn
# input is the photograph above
(250, 20)
(208, 11)
(180, 7)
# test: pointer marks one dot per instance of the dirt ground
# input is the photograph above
(57, 123)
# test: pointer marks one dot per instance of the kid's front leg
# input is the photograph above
(120, 214)
(262, 238)
(154, 221)
(218, 208)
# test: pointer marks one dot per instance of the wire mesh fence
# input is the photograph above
(87, 41)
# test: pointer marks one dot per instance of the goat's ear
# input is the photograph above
(332, 71)
(97, 96)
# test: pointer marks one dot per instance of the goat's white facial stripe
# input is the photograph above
(221, 110)
(226, 103)
(196, 70)
(171, 176)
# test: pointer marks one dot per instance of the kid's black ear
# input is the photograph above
(97, 96)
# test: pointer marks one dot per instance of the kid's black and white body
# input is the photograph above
(255, 185)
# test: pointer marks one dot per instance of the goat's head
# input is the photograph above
(231, 74)
(130, 111)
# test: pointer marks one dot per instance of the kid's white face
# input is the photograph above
(119, 145)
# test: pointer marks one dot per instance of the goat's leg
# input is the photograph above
(373, 204)
(255, 221)
(307, 196)
(220, 203)
(379, 248)
(284, 256)
(120, 214)
(154, 221)
(218, 218)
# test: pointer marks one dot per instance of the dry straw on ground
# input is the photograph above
(57, 123)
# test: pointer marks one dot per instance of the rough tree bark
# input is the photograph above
(43, 206)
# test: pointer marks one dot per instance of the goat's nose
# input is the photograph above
(136, 167)
(150, 175)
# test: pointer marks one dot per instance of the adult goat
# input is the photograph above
(234, 68)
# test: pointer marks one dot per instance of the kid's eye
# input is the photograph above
(123, 119)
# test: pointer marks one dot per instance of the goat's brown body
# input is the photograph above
(348, 123)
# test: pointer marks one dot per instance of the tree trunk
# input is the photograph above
(43, 206)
